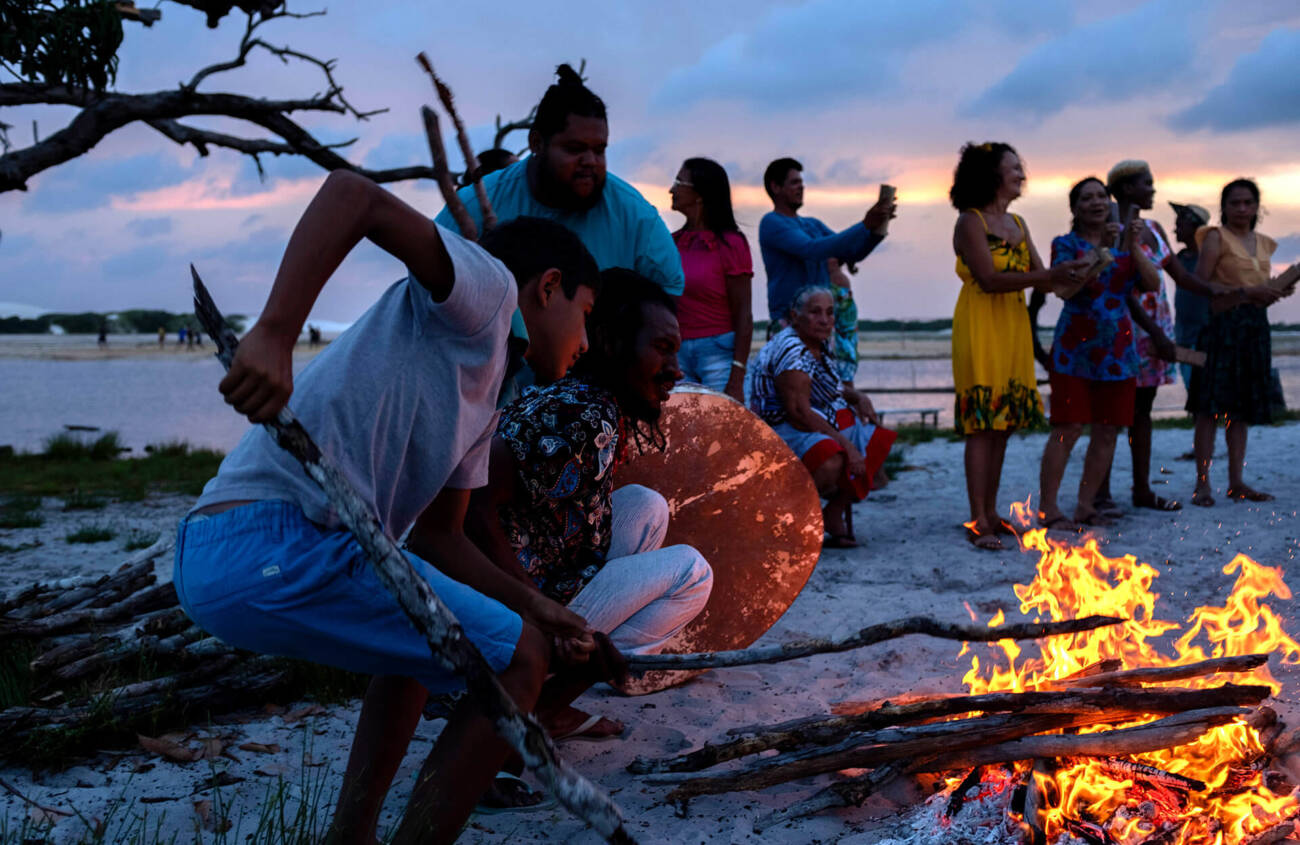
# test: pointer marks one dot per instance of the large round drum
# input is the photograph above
(738, 494)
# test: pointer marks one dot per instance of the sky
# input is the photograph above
(861, 93)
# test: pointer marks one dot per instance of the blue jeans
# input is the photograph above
(707, 360)
(262, 577)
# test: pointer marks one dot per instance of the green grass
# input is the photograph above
(74, 472)
(65, 446)
(21, 512)
(137, 539)
(91, 534)
(79, 501)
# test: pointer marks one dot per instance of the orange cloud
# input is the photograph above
(215, 194)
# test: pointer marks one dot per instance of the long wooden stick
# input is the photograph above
(867, 636)
(872, 748)
(462, 138)
(931, 753)
(447, 641)
(442, 174)
(824, 730)
(1161, 674)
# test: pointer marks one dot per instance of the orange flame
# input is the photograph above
(1076, 581)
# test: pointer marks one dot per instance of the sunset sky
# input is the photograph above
(861, 92)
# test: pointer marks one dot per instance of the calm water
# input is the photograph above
(173, 396)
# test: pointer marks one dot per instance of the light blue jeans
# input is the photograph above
(707, 360)
(644, 595)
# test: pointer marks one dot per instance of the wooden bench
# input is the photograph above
(927, 414)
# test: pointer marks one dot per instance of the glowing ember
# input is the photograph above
(1097, 800)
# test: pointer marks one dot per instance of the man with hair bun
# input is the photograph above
(564, 179)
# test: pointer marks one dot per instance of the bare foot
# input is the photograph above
(1203, 498)
(572, 723)
(1242, 493)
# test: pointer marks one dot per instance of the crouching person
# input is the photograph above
(550, 516)
(404, 401)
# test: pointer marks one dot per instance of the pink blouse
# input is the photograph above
(703, 309)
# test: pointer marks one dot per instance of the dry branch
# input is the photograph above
(441, 173)
(943, 751)
(1162, 674)
(462, 138)
(154, 598)
(870, 749)
(846, 793)
(1114, 703)
(867, 636)
(447, 641)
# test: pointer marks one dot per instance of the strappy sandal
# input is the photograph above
(984, 542)
(510, 793)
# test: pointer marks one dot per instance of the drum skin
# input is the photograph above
(737, 494)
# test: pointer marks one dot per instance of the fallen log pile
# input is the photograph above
(104, 653)
(1033, 731)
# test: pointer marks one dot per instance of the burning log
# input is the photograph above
(1034, 802)
(867, 636)
(1162, 674)
(1115, 703)
(872, 748)
(960, 745)
(1150, 774)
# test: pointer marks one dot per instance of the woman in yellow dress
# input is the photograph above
(992, 346)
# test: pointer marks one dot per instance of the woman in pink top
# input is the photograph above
(714, 309)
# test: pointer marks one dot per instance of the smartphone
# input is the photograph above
(887, 194)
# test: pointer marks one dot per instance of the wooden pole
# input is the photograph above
(447, 641)
(462, 138)
(867, 636)
(442, 174)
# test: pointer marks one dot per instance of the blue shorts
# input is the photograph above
(262, 577)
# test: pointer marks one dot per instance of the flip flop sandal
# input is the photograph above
(581, 731)
(1095, 519)
(1059, 523)
(1203, 500)
(1108, 507)
(512, 794)
(1155, 503)
(1249, 495)
(984, 542)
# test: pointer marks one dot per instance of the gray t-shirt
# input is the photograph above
(404, 400)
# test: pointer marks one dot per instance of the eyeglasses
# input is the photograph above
(678, 183)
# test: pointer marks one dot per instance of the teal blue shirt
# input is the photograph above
(621, 230)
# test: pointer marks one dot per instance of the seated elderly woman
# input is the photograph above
(827, 423)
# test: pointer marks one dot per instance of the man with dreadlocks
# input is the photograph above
(564, 179)
(550, 515)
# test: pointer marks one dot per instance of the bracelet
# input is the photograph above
(740, 364)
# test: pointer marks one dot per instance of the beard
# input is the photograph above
(557, 193)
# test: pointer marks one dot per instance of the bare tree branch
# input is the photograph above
(107, 113)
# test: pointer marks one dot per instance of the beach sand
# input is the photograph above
(914, 561)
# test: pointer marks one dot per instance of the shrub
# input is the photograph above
(91, 534)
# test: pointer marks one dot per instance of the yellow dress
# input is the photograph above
(992, 348)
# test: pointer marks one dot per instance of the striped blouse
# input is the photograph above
(784, 352)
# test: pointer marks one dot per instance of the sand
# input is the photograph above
(914, 561)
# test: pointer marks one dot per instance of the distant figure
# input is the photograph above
(103, 335)
(1237, 379)
(797, 251)
(490, 161)
(714, 312)
(564, 179)
(189, 338)
(313, 336)
(992, 351)
(180, 336)
(162, 337)
(1191, 310)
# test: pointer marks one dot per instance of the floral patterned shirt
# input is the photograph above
(566, 439)
(1094, 334)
